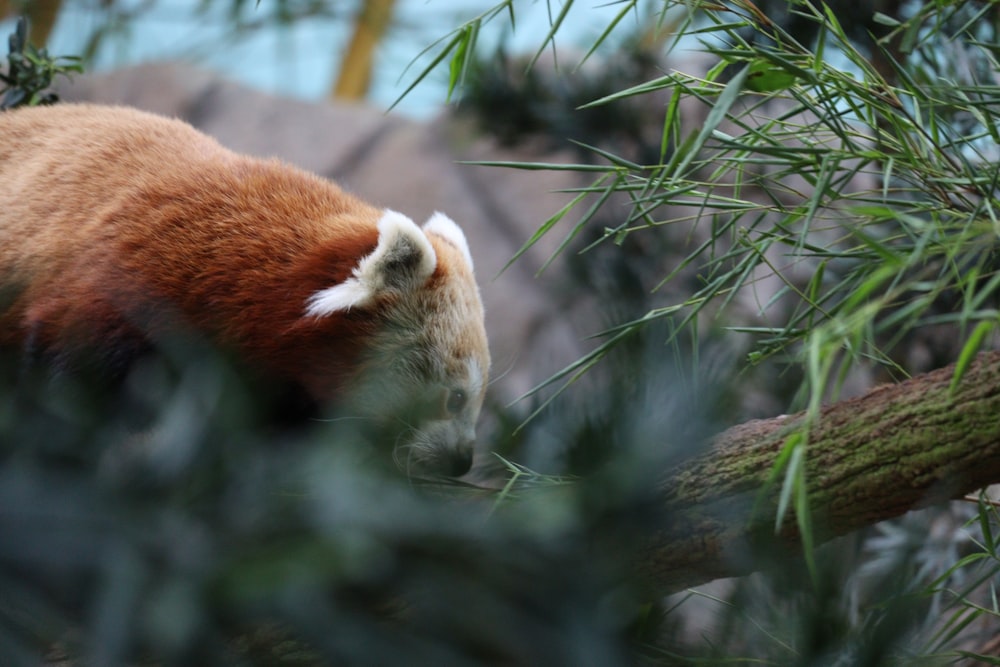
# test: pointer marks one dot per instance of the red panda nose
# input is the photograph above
(459, 461)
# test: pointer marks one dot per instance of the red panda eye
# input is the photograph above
(456, 401)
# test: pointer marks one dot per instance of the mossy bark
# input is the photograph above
(868, 459)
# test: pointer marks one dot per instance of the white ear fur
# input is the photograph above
(403, 260)
(441, 225)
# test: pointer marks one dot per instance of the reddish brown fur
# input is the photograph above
(116, 224)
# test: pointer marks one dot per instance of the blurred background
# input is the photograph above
(300, 48)
(217, 543)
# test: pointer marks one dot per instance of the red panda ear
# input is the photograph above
(444, 227)
(402, 261)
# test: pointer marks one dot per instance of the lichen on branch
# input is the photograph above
(869, 458)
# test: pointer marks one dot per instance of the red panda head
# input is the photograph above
(424, 361)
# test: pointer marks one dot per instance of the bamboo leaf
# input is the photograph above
(553, 29)
(792, 462)
(458, 66)
(626, 8)
(970, 350)
(726, 99)
(459, 37)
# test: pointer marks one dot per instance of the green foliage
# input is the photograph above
(458, 49)
(162, 521)
(31, 71)
(871, 188)
(869, 196)
(849, 159)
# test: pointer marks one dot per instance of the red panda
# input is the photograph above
(119, 229)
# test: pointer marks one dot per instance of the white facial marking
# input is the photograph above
(475, 378)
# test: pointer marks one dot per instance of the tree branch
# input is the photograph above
(870, 458)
